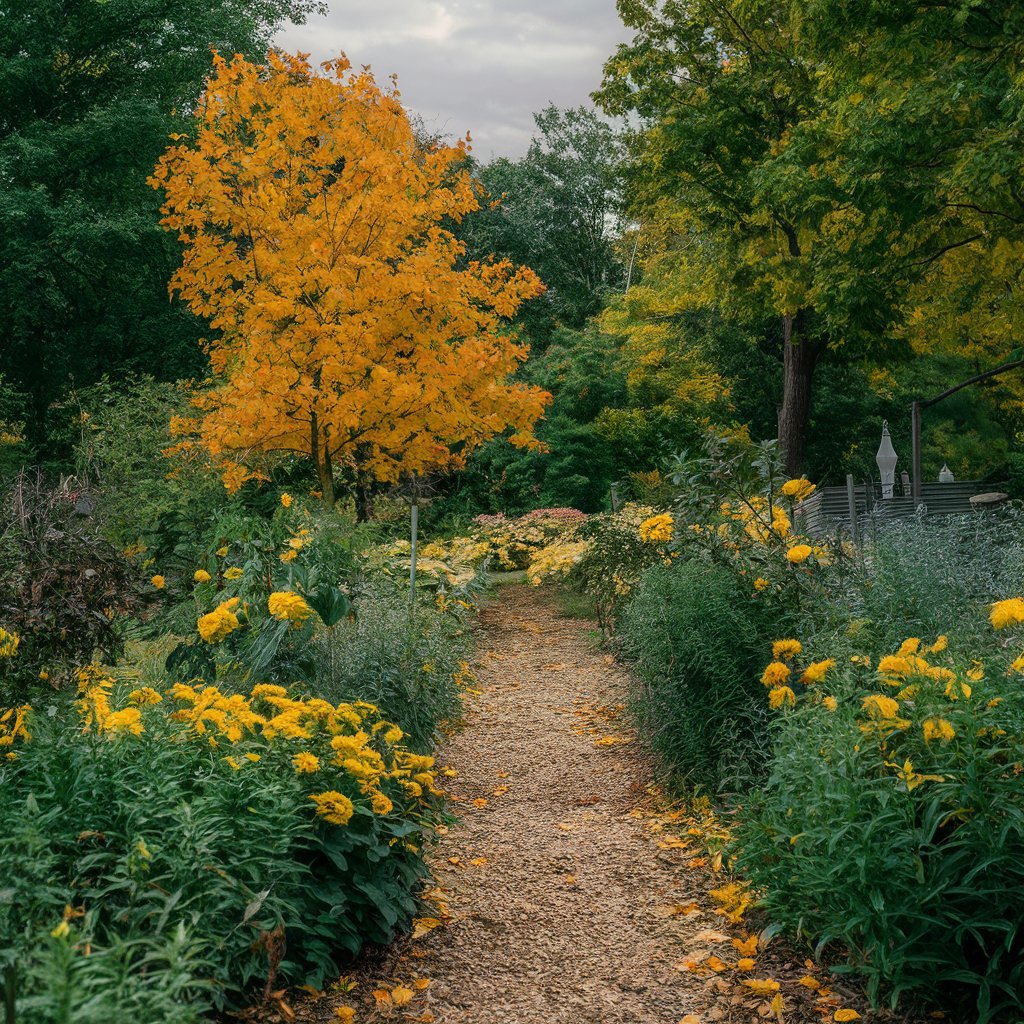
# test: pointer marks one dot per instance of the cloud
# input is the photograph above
(481, 66)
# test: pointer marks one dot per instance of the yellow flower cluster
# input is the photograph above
(13, 727)
(798, 490)
(761, 520)
(555, 560)
(362, 751)
(1007, 613)
(657, 529)
(287, 606)
(220, 623)
(9, 641)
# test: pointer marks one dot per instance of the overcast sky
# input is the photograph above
(482, 66)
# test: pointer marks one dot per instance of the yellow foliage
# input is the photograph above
(347, 329)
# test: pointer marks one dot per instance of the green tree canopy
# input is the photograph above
(89, 91)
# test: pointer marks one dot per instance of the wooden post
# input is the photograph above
(915, 453)
(412, 550)
(851, 498)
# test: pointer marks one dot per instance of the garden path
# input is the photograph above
(559, 900)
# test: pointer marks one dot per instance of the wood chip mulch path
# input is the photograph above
(557, 898)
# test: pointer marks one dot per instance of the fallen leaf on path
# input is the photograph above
(690, 1019)
(382, 997)
(346, 1014)
(420, 984)
(710, 935)
(570, 879)
(679, 910)
(673, 843)
(500, 791)
(478, 862)
(423, 925)
(761, 986)
(401, 996)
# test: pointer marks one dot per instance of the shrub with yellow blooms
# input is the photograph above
(137, 817)
(892, 820)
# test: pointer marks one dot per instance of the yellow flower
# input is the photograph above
(380, 803)
(220, 623)
(61, 930)
(128, 720)
(798, 490)
(251, 757)
(830, 703)
(287, 606)
(394, 735)
(657, 529)
(222, 552)
(296, 543)
(334, 807)
(937, 729)
(909, 646)
(940, 645)
(159, 582)
(233, 763)
(799, 553)
(907, 775)
(145, 695)
(289, 556)
(201, 576)
(306, 763)
(786, 650)
(894, 665)
(9, 641)
(760, 583)
(881, 707)
(286, 500)
(234, 573)
(780, 695)
(816, 671)
(775, 674)
(1007, 613)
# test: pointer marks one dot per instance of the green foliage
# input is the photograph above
(558, 213)
(405, 660)
(122, 430)
(197, 871)
(247, 560)
(695, 638)
(90, 92)
(906, 852)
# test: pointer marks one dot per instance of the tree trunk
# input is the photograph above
(322, 461)
(800, 357)
(363, 498)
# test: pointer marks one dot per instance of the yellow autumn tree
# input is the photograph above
(348, 327)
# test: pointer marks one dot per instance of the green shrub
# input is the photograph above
(893, 826)
(693, 634)
(408, 664)
(181, 829)
(928, 575)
